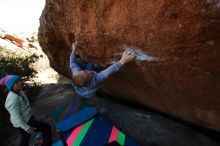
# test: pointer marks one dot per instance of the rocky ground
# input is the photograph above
(145, 126)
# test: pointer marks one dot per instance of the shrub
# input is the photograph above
(16, 63)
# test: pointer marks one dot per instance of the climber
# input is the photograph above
(87, 80)
(19, 108)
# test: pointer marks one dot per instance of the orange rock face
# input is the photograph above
(177, 70)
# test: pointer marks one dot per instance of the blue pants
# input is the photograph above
(85, 66)
(90, 67)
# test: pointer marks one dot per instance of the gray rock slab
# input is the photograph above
(145, 126)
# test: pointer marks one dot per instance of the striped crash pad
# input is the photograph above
(95, 130)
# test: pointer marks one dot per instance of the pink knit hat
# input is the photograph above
(9, 81)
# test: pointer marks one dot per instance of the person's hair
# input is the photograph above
(80, 78)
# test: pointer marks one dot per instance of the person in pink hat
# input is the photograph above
(19, 108)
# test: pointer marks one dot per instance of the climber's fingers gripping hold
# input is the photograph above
(74, 46)
(127, 57)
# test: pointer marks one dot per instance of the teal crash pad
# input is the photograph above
(74, 120)
(58, 143)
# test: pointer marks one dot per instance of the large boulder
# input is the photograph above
(178, 67)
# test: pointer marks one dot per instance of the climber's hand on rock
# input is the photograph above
(74, 47)
(127, 57)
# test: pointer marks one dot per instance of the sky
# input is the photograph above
(18, 16)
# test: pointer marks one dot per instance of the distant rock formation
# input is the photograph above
(2, 34)
(13, 41)
(177, 70)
